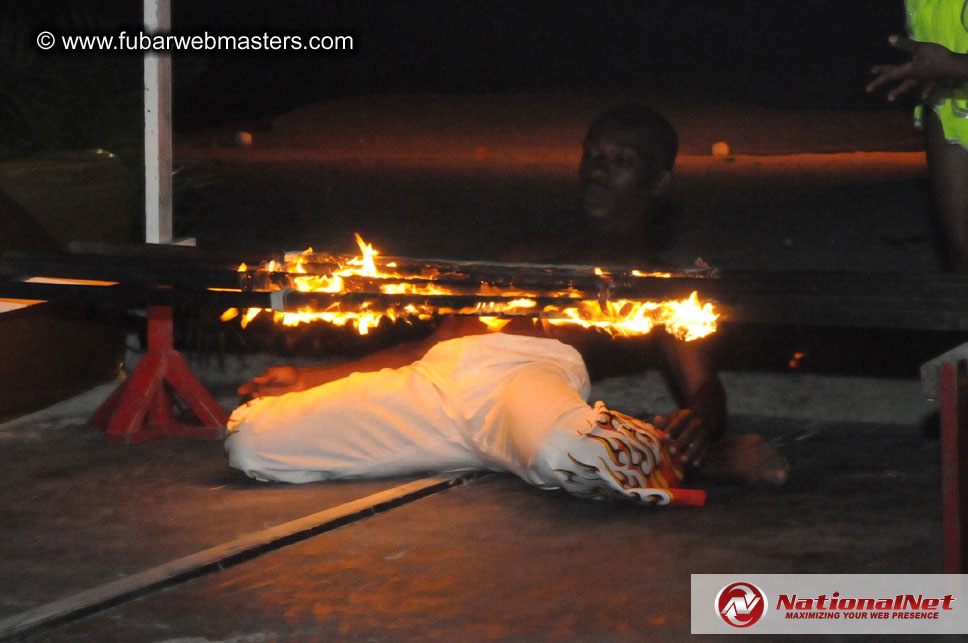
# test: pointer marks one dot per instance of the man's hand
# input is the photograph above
(930, 63)
(688, 435)
(277, 380)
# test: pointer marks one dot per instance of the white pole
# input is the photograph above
(158, 226)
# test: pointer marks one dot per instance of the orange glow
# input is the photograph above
(77, 282)
(687, 319)
(6, 305)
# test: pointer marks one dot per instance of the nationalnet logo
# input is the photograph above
(741, 604)
(899, 606)
(829, 604)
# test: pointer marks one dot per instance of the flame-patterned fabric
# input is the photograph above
(621, 456)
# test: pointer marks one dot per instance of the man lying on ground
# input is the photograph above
(464, 398)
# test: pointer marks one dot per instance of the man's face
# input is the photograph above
(617, 182)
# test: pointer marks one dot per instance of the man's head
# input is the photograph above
(627, 160)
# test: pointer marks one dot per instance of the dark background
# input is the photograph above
(794, 55)
(784, 54)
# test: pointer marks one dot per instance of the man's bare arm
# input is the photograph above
(703, 418)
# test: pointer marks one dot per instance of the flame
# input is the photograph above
(686, 319)
(366, 261)
(663, 275)
(494, 324)
(335, 282)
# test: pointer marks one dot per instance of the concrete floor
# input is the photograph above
(492, 559)
(498, 560)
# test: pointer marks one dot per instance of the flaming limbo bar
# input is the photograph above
(806, 299)
(865, 300)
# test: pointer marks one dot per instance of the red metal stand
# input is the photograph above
(953, 396)
(141, 407)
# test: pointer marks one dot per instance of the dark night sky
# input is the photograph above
(781, 53)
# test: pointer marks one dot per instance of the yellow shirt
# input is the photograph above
(944, 22)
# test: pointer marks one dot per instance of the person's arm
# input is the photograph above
(930, 64)
(278, 380)
(703, 417)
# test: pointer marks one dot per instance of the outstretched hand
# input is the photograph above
(688, 435)
(930, 63)
(277, 380)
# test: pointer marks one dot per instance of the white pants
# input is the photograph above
(502, 402)
(484, 401)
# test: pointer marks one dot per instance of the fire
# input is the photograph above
(687, 319)
(335, 282)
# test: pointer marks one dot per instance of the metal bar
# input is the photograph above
(417, 265)
(625, 282)
(501, 274)
(454, 284)
(260, 279)
(869, 300)
(926, 293)
(900, 312)
(295, 301)
(861, 302)
(166, 268)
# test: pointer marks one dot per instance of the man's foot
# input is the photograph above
(745, 459)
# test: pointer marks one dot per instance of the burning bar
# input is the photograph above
(361, 290)
(686, 319)
(499, 274)
(863, 300)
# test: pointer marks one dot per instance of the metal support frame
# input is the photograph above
(953, 396)
(142, 407)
